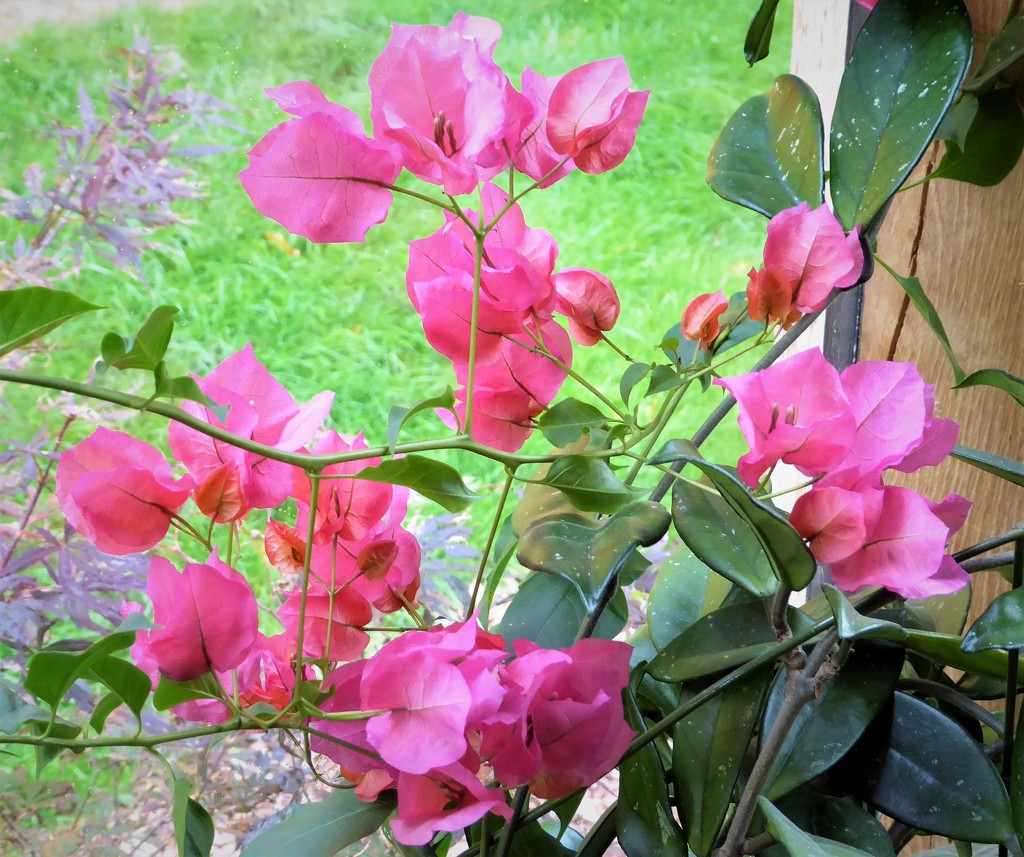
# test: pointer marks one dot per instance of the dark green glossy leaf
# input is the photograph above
(631, 377)
(992, 146)
(146, 349)
(434, 480)
(30, 313)
(14, 711)
(125, 679)
(998, 378)
(589, 484)
(193, 827)
(906, 68)
(845, 820)
(684, 590)
(1017, 784)
(726, 638)
(549, 610)
(720, 538)
(768, 156)
(957, 122)
(759, 33)
(944, 614)
(587, 553)
(787, 555)
(1001, 626)
(321, 829)
(918, 766)
(643, 819)
(828, 726)
(1004, 468)
(708, 747)
(1004, 51)
(797, 842)
(533, 840)
(51, 674)
(944, 649)
(924, 306)
(567, 421)
(399, 416)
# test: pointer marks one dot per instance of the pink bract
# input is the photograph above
(794, 411)
(593, 116)
(207, 616)
(438, 96)
(319, 175)
(536, 156)
(589, 301)
(119, 492)
(333, 626)
(700, 318)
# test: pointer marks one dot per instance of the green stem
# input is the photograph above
(144, 741)
(616, 348)
(314, 498)
(661, 421)
(990, 544)
(474, 322)
(509, 830)
(1010, 733)
(495, 524)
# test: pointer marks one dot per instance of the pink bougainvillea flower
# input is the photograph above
(319, 175)
(589, 301)
(806, 256)
(832, 521)
(345, 508)
(119, 492)
(438, 96)
(867, 4)
(770, 299)
(207, 616)
(574, 725)
(904, 548)
(593, 116)
(231, 480)
(341, 619)
(700, 318)
(449, 798)
(536, 157)
(794, 411)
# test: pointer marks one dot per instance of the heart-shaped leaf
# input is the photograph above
(567, 421)
(146, 349)
(905, 70)
(768, 156)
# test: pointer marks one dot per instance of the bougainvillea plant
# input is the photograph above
(738, 722)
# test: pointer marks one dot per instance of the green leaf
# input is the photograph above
(589, 554)
(919, 767)
(906, 68)
(45, 753)
(183, 387)
(768, 156)
(568, 421)
(322, 829)
(51, 674)
(1004, 468)
(798, 843)
(589, 484)
(720, 538)
(169, 693)
(957, 122)
(1017, 784)
(759, 33)
(14, 711)
(30, 313)
(1001, 626)
(193, 827)
(720, 641)
(1004, 50)
(549, 610)
(787, 555)
(998, 378)
(126, 680)
(828, 726)
(708, 748)
(643, 819)
(992, 146)
(104, 708)
(924, 306)
(845, 820)
(146, 349)
(631, 377)
(684, 590)
(434, 480)
(399, 416)
(663, 378)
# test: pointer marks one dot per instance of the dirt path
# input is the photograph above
(17, 16)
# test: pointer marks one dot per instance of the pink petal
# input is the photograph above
(700, 319)
(832, 522)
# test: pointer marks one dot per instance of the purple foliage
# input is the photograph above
(116, 176)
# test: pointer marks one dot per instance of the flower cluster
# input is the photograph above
(458, 718)
(806, 256)
(442, 109)
(844, 430)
